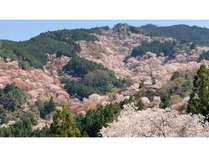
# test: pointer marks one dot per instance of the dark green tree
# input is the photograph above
(12, 98)
(94, 120)
(199, 98)
(47, 107)
(63, 124)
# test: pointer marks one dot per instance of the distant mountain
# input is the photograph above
(181, 32)
(64, 42)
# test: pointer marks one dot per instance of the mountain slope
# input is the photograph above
(84, 68)
(184, 33)
(34, 52)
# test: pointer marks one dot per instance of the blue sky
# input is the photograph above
(25, 29)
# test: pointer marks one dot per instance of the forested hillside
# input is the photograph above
(182, 33)
(34, 52)
(119, 81)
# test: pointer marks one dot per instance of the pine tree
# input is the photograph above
(63, 124)
(199, 98)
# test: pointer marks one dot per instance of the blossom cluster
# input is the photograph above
(156, 122)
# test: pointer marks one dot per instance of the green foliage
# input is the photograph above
(199, 98)
(64, 124)
(3, 115)
(78, 66)
(167, 48)
(25, 65)
(204, 55)
(179, 86)
(12, 98)
(33, 52)
(94, 120)
(43, 132)
(46, 108)
(91, 123)
(22, 128)
(77, 89)
(194, 34)
(164, 103)
(175, 75)
(102, 81)
(94, 78)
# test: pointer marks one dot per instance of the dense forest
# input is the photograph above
(33, 52)
(65, 124)
(197, 35)
(94, 78)
(11, 100)
(156, 47)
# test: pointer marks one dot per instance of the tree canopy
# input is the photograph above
(194, 34)
(78, 66)
(46, 107)
(167, 48)
(63, 124)
(199, 98)
(12, 98)
(94, 78)
(33, 52)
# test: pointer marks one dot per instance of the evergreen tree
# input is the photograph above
(47, 107)
(199, 98)
(64, 125)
